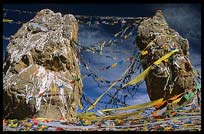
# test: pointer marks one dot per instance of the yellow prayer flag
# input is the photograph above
(144, 52)
(116, 34)
(125, 36)
(87, 122)
(170, 90)
(177, 100)
(54, 89)
(114, 65)
(7, 20)
(138, 78)
(165, 57)
(94, 104)
(144, 73)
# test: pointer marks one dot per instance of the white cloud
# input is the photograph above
(139, 99)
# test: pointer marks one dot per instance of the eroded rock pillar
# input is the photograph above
(172, 76)
(41, 75)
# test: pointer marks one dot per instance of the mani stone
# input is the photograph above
(41, 75)
(172, 76)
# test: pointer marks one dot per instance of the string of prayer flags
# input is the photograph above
(19, 11)
(117, 63)
(96, 78)
(146, 71)
(128, 120)
(113, 84)
(82, 19)
(140, 106)
(96, 101)
(105, 68)
(183, 118)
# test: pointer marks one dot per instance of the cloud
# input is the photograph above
(89, 35)
(139, 99)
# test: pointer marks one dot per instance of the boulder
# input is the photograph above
(41, 75)
(174, 75)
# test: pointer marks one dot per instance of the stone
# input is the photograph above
(41, 59)
(157, 38)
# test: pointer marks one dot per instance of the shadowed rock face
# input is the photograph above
(41, 75)
(157, 39)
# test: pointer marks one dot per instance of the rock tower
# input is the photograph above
(41, 75)
(174, 75)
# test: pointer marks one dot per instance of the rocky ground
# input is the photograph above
(187, 118)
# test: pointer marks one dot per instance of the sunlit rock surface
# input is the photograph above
(41, 75)
(173, 76)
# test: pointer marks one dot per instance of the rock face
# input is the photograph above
(41, 75)
(173, 76)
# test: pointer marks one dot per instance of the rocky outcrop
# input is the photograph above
(174, 75)
(41, 75)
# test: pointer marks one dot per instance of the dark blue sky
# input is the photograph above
(102, 10)
(184, 18)
(92, 9)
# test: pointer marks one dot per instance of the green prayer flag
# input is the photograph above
(198, 86)
(189, 95)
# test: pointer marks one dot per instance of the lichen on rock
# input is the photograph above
(41, 70)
